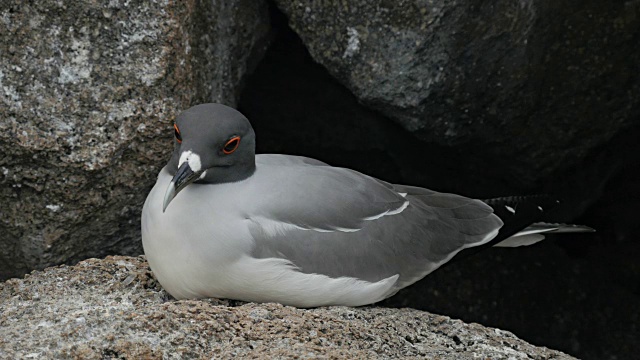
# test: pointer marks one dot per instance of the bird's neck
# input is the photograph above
(221, 174)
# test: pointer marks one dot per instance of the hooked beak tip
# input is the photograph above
(169, 195)
(183, 177)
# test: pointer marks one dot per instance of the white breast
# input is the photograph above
(183, 244)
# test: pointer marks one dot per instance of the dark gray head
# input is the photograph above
(214, 144)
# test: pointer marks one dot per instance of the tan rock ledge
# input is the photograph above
(114, 308)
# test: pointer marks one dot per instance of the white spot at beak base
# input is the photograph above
(192, 158)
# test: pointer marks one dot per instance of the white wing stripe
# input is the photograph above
(274, 228)
(319, 230)
(389, 212)
(346, 229)
(399, 210)
(375, 217)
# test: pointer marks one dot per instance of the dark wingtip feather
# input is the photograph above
(517, 212)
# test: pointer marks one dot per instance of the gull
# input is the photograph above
(223, 222)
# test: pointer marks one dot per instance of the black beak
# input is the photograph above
(184, 176)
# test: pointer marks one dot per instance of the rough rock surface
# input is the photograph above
(114, 308)
(88, 93)
(538, 84)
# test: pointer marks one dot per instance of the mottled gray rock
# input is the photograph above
(114, 308)
(536, 85)
(88, 92)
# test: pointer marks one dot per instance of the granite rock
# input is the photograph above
(114, 308)
(88, 93)
(537, 85)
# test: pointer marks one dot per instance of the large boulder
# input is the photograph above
(114, 309)
(88, 93)
(535, 85)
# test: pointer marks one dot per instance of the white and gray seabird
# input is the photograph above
(224, 222)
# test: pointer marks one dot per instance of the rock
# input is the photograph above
(537, 85)
(114, 308)
(88, 94)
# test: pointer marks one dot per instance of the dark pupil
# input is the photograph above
(231, 145)
(177, 135)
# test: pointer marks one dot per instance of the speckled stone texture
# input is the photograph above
(537, 85)
(114, 308)
(88, 93)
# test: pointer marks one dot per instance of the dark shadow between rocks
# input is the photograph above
(297, 108)
(578, 293)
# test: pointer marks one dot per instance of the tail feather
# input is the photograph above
(517, 241)
(522, 216)
(566, 228)
(535, 233)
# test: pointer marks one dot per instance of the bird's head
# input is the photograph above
(213, 144)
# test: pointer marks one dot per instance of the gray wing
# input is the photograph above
(319, 197)
(343, 223)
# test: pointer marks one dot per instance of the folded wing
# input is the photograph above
(346, 224)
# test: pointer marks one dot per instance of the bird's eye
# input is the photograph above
(231, 145)
(177, 132)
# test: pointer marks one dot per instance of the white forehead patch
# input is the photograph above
(192, 158)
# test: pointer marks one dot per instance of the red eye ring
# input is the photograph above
(177, 133)
(231, 145)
